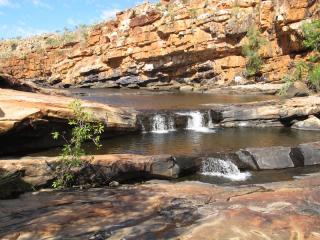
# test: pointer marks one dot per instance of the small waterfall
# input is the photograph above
(196, 122)
(143, 128)
(162, 124)
(223, 168)
(210, 123)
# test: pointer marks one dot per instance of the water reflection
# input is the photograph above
(142, 99)
(204, 144)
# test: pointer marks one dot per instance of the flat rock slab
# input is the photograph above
(102, 169)
(28, 119)
(18, 107)
(163, 210)
(271, 158)
(266, 113)
(277, 157)
(310, 153)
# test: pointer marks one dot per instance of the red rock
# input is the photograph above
(184, 34)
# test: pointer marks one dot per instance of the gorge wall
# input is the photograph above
(167, 45)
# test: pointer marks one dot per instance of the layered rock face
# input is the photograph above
(269, 113)
(173, 43)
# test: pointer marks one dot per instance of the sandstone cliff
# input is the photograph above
(173, 43)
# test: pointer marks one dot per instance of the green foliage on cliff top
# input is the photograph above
(251, 51)
(84, 128)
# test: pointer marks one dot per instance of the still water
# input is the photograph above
(192, 143)
(147, 100)
(193, 140)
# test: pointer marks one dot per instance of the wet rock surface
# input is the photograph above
(163, 210)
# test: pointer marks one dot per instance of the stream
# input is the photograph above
(163, 132)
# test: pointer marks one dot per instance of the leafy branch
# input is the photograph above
(84, 128)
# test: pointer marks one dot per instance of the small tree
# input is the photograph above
(84, 128)
(251, 51)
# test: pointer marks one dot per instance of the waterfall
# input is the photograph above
(210, 123)
(197, 123)
(143, 128)
(223, 168)
(162, 124)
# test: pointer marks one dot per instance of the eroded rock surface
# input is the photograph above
(194, 44)
(266, 113)
(101, 170)
(162, 210)
(28, 119)
(312, 123)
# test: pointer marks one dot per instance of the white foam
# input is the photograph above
(162, 125)
(242, 176)
(223, 168)
(196, 122)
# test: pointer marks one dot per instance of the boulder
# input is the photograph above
(312, 123)
(266, 158)
(244, 160)
(310, 153)
(298, 89)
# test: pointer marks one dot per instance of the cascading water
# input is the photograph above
(196, 122)
(223, 168)
(162, 124)
(210, 123)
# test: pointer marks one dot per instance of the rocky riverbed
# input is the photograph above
(202, 115)
(156, 209)
(34, 116)
(163, 210)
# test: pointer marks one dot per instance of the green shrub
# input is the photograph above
(251, 51)
(314, 77)
(311, 33)
(298, 73)
(84, 128)
(53, 42)
(308, 70)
